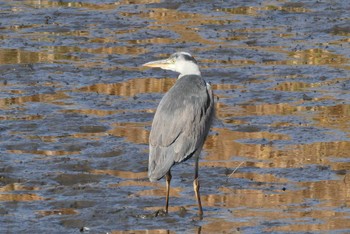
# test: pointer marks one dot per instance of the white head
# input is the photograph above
(181, 62)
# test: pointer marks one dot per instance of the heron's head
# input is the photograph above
(181, 62)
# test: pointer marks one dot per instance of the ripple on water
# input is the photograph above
(76, 109)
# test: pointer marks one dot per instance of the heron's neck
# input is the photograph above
(189, 69)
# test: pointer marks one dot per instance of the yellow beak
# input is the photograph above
(164, 64)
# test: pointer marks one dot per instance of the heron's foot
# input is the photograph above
(160, 213)
(182, 211)
(198, 218)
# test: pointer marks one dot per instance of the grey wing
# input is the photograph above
(179, 129)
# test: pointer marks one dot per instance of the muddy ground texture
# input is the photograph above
(76, 109)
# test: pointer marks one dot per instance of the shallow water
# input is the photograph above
(76, 109)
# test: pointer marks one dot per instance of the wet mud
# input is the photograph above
(76, 109)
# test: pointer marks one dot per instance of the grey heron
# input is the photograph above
(181, 122)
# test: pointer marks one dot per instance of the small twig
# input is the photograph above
(236, 169)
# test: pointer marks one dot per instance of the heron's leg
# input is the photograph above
(196, 189)
(168, 179)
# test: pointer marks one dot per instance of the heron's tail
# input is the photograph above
(159, 164)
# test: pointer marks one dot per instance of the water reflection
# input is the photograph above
(224, 145)
(123, 50)
(319, 150)
(20, 197)
(268, 192)
(93, 112)
(169, 19)
(157, 41)
(310, 57)
(318, 57)
(295, 86)
(241, 10)
(265, 191)
(160, 192)
(136, 86)
(254, 11)
(132, 132)
(121, 174)
(135, 183)
(44, 152)
(17, 56)
(61, 54)
(149, 231)
(45, 98)
(227, 63)
(215, 224)
(255, 205)
(337, 223)
(336, 116)
(132, 87)
(17, 187)
(25, 117)
(63, 211)
(91, 6)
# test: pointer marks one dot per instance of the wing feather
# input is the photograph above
(180, 125)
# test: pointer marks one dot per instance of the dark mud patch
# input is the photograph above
(73, 179)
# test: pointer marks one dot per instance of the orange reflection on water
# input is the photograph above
(54, 54)
(135, 183)
(258, 177)
(90, 135)
(333, 193)
(172, 209)
(17, 187)
(244, 10)
(136, 86)
(224, 111)
(132, 132)
(121, 174)
(24, 117)
(328, 224)
(337, 116)
(216, 225)
(318, 57)
(63, 211)
(17, 56)
(91, 6)
(91, 112)
(173, 20)
(223, 145)
(44, 152)
(156, 41)
(316, 152)
(252, 198)
(150, 231)
(132, 87)
(312, 57)
(332, 223)
(45, 138)
(227, 63)
(20, 197)
(100, 50)
(254, 11)
(256, 204)
(295, 86)
(48, 98)
(160, 192)
(49, 3)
